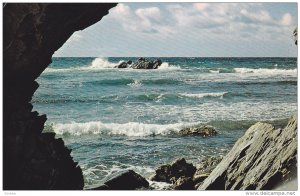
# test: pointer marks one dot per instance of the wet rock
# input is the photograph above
(260, 160)
(128, 180)
(204, 168)
(100, 187)
(157, 63)
(207, 165)
(184, 183)
(122, 65)
(204, 131)
(171, 173)
(143, 63)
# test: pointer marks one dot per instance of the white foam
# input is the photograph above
(102, 63)
(201, 95)
(131, 129)
(135, 84)
(262, 71)
(167, 66)
(50, 70)
(97, 64)
(214, 71)
(160, 185)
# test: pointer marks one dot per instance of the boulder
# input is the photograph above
(262, 159)
(122, 65)
(128, 180)
(143, 63)
(157, 63)
(184, 183)
(171, 173)
(204, 131)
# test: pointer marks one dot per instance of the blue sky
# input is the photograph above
(189, 29)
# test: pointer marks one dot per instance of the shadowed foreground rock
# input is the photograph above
(171, 173)
(32, 32)
(128, 180)
(260, 160)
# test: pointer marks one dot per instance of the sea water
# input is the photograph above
(119, 119)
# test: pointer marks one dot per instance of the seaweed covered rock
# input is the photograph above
(204, 131)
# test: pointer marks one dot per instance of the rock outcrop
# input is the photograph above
(204, 168)
(204, 131)
(260, 160)
(124, 64)
(183, 175)
(184, 183)
(171, 173)
(32, 32)
(128, 180)
(143, 63)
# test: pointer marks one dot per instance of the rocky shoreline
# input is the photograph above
(33, 160)
(262, 159)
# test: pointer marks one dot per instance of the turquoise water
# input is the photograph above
(117, 119)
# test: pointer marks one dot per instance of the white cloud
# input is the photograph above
(286, 19)
(121, 10)
(148, 13)
(145, 20)
(257, 16)
(201, 6)
(233, 20)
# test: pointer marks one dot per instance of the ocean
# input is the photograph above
(119, 119)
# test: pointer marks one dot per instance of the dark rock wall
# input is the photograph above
(31, 34)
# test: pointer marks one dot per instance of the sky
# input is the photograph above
(188, 30)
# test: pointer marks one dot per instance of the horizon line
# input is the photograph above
(175, 56)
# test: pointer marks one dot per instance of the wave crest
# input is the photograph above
(102, 63)
(201, 95)
(263, 71)
(167, 66)
(131, 129)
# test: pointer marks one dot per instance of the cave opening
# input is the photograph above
(117, 119)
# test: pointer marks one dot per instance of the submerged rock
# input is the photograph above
(171, 173)
(204, 131)
(260, 160)
(128, 180)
